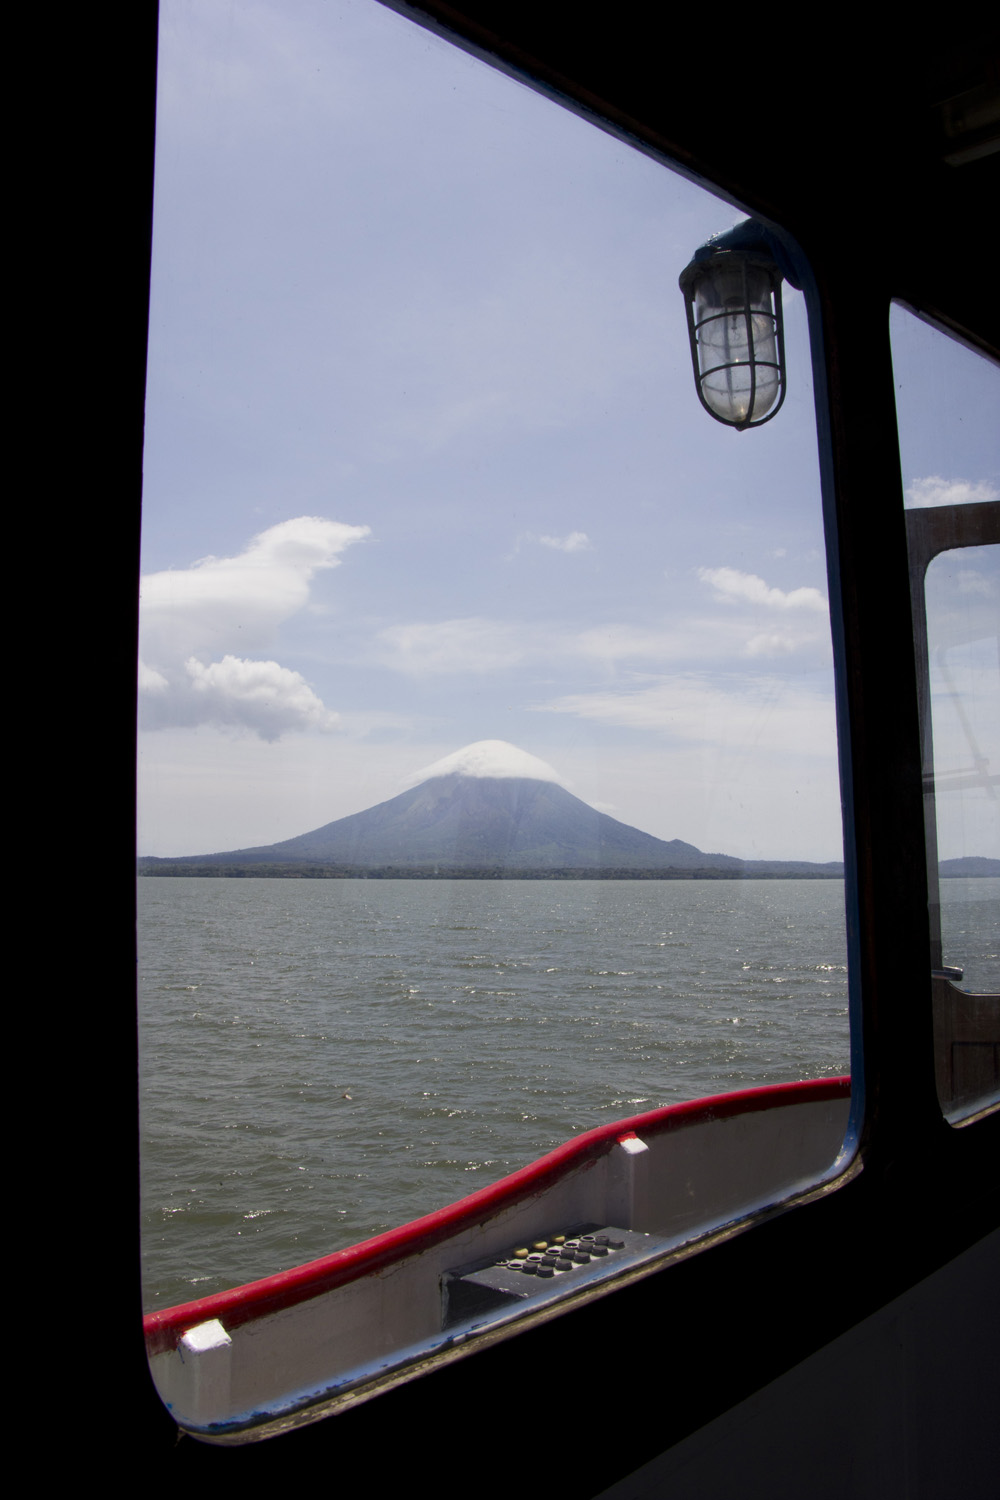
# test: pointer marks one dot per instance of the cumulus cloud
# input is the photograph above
(260, 695)
(576, 541)
(933, 490)
(151, 681)
(734, 587)
(192, 615)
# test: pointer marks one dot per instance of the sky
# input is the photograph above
(425, 465)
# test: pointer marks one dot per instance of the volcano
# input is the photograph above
(477, 809)
(469, 822)
(487, 808)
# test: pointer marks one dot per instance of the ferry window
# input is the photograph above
(947, 402)
(438, 541)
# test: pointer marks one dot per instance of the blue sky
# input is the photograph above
(425, 466)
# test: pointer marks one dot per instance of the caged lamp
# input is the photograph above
(732, 293)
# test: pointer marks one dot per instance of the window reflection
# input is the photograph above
(962, 599)
(946, 398)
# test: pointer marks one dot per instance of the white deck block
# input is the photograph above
(205, 1352)
(628, 1183)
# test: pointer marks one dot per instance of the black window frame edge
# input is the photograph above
(674, 1352)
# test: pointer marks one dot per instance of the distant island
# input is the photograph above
(475, 817)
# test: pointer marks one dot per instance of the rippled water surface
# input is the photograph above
(322, 1060)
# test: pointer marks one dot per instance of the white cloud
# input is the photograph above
(775, 643)
(257, 694)
(191, 615)
(933, 490)
(972, 582)
(494, 758)
(151, 681)
(478, 644)
(734, 587)
(612, 643)
(198, 610)
(576, 541)
(748, 713)
(445, 646)
(234, 693)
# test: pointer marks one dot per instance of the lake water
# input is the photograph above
(324, 1059)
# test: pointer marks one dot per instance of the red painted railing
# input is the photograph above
(242, 1304)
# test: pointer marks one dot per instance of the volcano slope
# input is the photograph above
(475, 823)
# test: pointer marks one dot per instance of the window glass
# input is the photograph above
(432, 511)
(946, 411)
(947, 402)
